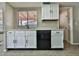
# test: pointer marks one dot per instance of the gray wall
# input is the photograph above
(9, 17)
(2, 6)
(76, 24)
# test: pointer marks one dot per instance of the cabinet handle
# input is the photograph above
(57, 32)
(26, 41)
(13, 41)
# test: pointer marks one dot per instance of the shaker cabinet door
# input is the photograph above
(20, 39)
(54, 11)
(46, 11)
(57, 42)
(10, 39)
(31, 39)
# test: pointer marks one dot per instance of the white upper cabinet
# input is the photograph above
(50, 11)
(46, 11)
(54, 11)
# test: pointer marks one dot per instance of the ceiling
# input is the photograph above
(38, 4)
(25, 4)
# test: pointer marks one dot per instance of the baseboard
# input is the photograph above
(75, 43)
(72, 43)
(67, 41)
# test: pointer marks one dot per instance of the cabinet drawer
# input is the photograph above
(10, 33)
(31, 33)
(19, 33)
(31, 37)
(56, 33)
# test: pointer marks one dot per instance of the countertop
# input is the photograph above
(41, 28)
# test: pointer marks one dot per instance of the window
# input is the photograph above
(22, 18)
(27, 18)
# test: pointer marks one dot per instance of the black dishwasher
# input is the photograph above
(43, 39)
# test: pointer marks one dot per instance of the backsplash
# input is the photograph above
(48, 24)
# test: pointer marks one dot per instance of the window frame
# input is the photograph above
(27, 10)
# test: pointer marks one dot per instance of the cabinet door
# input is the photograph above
(32, 42)
(20, 39)
(31, 39)
(57, 39)
(54, 11)
(10, 39)
(46, 11)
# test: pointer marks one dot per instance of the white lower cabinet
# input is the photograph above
(10, 39)
(31, 39)
(21, 39)
(57, 39)
(28, 39)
